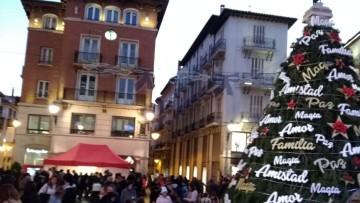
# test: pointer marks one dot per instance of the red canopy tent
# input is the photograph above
(88, 155)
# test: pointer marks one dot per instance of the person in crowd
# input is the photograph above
(29, 194)
(70, 190)
(192, 196)
(120, 183)
(205, 198)
(24, 178)
(49, 188)
(82, 185)
(164, 197)
(144, 183)
(111, 196)
(154, 190)
(57, 198)
(95, 189)
(128, 193)
(9, 194)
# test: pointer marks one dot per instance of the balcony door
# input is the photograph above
(126, 91)
(87, 87)
(128, 54)
(89, 50)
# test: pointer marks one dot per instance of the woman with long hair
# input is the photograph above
(47, 191)
(8, 194)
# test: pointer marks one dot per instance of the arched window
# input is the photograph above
(92, 12)
(49, 21)
(112, 14)
(131, 17)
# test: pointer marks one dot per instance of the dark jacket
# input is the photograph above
(30, 198)
(70, 192)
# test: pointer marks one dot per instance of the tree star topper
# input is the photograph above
(291, 105)
(339, 128)
(340, 63)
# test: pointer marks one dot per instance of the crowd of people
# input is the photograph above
(55, 186)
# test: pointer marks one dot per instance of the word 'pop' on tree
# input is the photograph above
(307, 145)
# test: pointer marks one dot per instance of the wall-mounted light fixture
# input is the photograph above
(147, 18)
(149, 115)
(155, 135)
(54, 109)
(156, 161)
(16, 123)
(36, 21)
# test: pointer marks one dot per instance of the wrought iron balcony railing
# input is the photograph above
(127, 62)
(259, 42)
(87, 58)
(213, 117)
(260, 79)
(219, 48)
(91, 95)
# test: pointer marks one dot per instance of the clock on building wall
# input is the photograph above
(110, 35)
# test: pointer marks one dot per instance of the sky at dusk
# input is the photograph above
(182, 22)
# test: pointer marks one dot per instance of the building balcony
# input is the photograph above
(183, 88)
(202, 122)
(252, 117)
(87, 58)
(215, 81)
(194, 126)
(169, 105)
(261, 80)
(218, 51)
(187, 129)
(89, 95)
(187, 103)
(214, 117)
(127, 62)
(259, 44)
(205, 61)
(119, 133)
(168, 122)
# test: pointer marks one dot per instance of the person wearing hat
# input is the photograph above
(163, 197)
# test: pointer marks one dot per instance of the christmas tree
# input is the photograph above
(307, 145)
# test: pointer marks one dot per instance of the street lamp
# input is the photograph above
(16, 123)
(54, 109)
(149, 115)
(155, 135)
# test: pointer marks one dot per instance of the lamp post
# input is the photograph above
(54, 109)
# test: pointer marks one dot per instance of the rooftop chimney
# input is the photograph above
(222, 7)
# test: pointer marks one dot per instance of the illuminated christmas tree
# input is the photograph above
(307, 146)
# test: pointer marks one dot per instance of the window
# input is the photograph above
(112, 14)
(259, 34)
(42, 90)
(82, 124)
(257, 67)
(86, 87)
(89, 50)
(131, 17)
(1, 112)
(256, 106)
(38, 124)
(125, 91)
(128, 54)
(123, 127)
(46, 55)
(92, 12)
(49, 21)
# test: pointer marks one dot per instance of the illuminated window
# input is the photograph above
(126, 91)
(82, 124)
(128, 54)
(38, 124)
(122, 126)
(49, 21)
